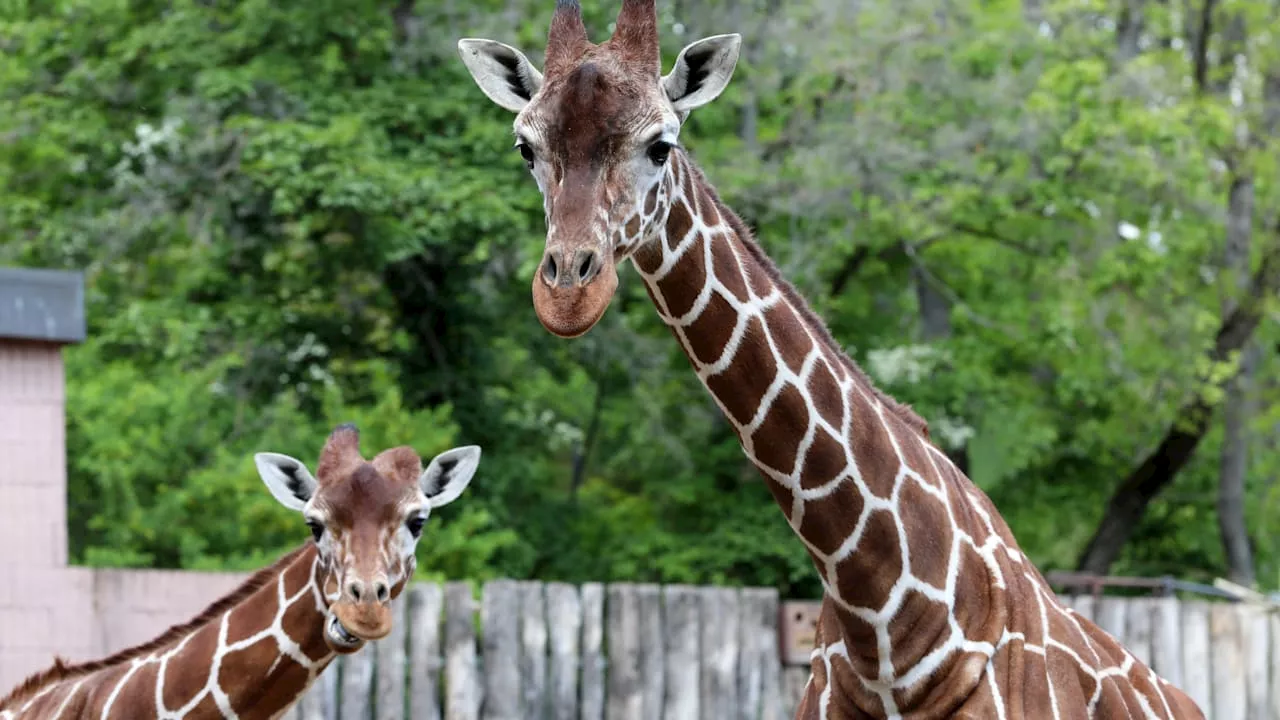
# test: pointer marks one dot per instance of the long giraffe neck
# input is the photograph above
(930, 609)
(249, 655)
(896, 532)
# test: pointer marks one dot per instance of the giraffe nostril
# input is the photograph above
(383, 592)
(549, 269)
(588, 265)
(355, 589)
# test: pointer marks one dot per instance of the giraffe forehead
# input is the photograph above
(364, 498)
(590, 113)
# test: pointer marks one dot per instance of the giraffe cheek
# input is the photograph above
(399, 586)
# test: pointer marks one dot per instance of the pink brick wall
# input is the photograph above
(46, 607)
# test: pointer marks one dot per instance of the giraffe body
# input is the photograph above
(251, 654)
(930, 608)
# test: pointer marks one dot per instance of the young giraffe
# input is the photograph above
(930, 609)
(253, 653)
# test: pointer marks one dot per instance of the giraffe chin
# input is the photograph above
(338, 638)
(349, 626)
(569, 312)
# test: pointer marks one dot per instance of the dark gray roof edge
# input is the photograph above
(37, 304)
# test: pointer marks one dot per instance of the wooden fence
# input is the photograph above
(562, 652)
(552, 651)
(1225, 655)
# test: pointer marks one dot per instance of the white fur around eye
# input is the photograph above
(408, 543)
(539, 173)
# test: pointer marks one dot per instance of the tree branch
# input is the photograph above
(1200, 48)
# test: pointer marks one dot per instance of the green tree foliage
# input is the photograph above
(293, 215)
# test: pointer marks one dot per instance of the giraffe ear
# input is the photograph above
(449, 474)
(287, 478)
(501, 71)
(702, 71)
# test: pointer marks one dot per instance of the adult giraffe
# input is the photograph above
(930, 609)
(251, 654)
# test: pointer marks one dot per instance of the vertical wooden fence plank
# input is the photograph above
(652, 653)
(1197, 659)
(1085, 606)
(626, 701)
(357, 684)
(1227, 648)
(720, 618)
(533, 651)
(1257, 652)
(1166, 639)
(500, 628)
(389, 665)
(564, 625)
(593, 685)
(758, 623)
(771, 701)
(425, 603)
(1137, 631)
(682, 612)
(794, 680)
(328, 682)
(1273, 627)
(462, 677)
(1110, 616)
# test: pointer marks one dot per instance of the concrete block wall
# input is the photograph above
(132, 606)
(43, 603)
(33, 481)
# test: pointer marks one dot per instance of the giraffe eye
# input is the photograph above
(659, 151)
(527, 153)
(414, 524)
(317, 528)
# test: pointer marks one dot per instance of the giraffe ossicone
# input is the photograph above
(930, 609)
(251, 654)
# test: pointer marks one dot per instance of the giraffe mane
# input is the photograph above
(902, 410)
(61, 670)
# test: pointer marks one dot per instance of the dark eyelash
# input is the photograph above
(526, 152)
(414, 524)
(659, 151)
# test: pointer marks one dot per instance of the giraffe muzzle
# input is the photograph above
(570, 307)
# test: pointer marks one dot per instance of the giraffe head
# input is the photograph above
(596, 131)
(366, 517)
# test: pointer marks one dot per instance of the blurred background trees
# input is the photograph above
(1053, 227)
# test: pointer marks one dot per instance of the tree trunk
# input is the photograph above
(1203, 28)
(1129, 30)
(1237, 412)
(1157, 470)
